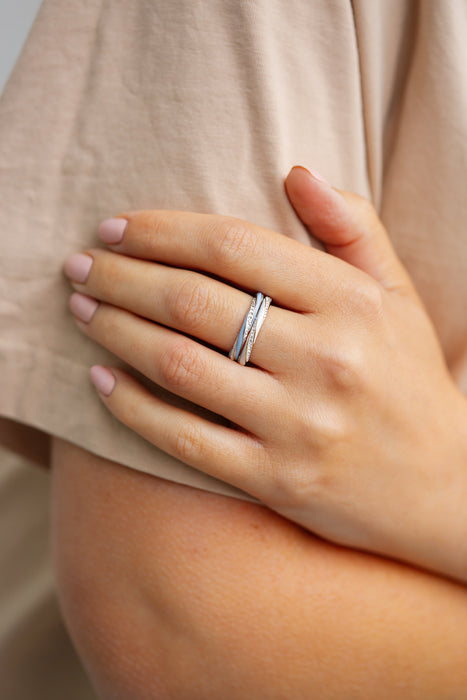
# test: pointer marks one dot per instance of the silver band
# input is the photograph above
(246, 326)
(249, 330)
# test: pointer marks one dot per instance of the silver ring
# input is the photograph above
(250, 328)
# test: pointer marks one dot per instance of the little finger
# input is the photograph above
(222, 452)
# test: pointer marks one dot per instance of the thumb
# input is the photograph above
(348, 226)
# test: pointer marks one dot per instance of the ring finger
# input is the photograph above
(242, 395)
(187, 301)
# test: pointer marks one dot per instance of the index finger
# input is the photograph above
(295, 275)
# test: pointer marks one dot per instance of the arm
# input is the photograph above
(170, 592)
(348, 423)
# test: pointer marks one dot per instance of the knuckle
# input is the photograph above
(149, 225)
(345, 366)
(330, 432)
(188, 443)
(290, 487)
(188, 303)
(362, 205)
(233, 242)
(367, 299)
(105, 274)
(180, 366)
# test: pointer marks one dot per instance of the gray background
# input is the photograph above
(16, 18)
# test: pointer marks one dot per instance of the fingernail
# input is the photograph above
(78, 267)
(314, 174)
(83, 307)
(112, 230)
(103, 379)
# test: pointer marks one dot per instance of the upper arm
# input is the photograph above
(173, 592)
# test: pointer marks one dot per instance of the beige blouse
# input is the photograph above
(206, 106)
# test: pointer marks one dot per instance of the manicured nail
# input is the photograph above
(314, 174)
(78, 267)
(83, 307)
(112, 230)
(103, 379)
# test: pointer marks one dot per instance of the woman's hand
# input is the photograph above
(347, 422)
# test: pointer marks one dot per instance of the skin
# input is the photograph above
(308, 438)
(162, 586)
(173, 593)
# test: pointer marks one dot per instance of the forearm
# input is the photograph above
(175, 593)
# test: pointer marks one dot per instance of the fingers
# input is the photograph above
(348, 226)
(295, 276)
(242, 395)
(220, 451)
(187, 301)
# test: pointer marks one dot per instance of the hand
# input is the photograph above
(347, 423)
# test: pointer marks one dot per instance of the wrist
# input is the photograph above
(431, 532)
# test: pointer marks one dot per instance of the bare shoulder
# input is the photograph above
(172, 592)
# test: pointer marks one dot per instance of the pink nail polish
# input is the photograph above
(83, 307)
(78, 267)
(111, 230)
(103, 379)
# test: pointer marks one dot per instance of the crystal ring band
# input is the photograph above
(250, 328)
